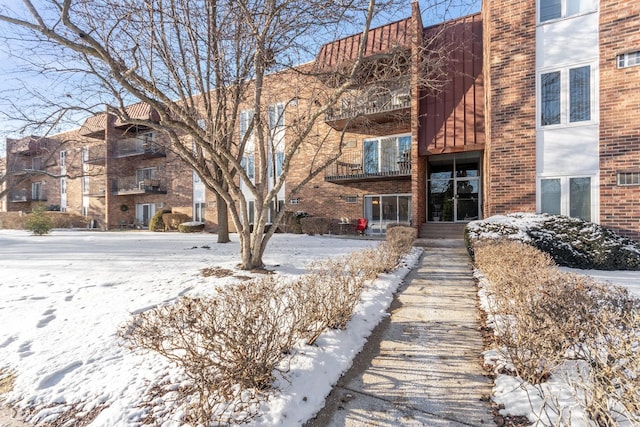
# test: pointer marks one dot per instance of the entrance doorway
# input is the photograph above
(144, 212)
(453, 187)
(382, 210)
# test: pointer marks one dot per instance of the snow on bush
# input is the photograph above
(230, 346)
(571, 242)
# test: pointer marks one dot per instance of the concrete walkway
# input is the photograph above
(421, 366)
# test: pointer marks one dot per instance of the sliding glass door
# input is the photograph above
(382, 210)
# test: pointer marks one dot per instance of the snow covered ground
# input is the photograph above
(64, 296)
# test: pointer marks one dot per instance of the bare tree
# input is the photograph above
(205, 67)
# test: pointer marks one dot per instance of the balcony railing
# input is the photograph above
(133, 185)
(139, 147)
(376, 107)
(22, 196)
(352, 166)
(25, 167)
(96, 156)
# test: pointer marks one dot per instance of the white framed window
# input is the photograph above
(351, 199)
(386, 155)
(295, 201)
(63, 185)
(63, 158)
(36, 191)
(566, 96)
(549, 10)
(628, 59)
(567, 195)
(628, 178)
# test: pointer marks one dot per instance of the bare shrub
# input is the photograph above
(401, 238)
(327, 296)
(191, 227)
(609, 383)
(228, 346)
(315, 225)
(171, 221)
(546, 317)
(542, 310)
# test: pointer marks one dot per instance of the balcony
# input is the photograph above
(29, 146)
(367, 108)
(26, 196)
(132, 185)
(96, 156)
(352, 167)
(26, 167)
(140, 146)
(94, 191)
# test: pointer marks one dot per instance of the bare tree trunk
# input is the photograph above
(223, 220)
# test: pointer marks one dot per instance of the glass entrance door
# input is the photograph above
(453, 190)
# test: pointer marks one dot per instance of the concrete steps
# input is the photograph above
(442, 230)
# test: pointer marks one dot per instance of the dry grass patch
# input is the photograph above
(7, 379)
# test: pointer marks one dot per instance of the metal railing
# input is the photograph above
(365, 104)
(137, 146)
(136, 185)
(354, 166)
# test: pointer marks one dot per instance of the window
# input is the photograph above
(555, 9)
(36, 191)
(386, 155)
(550, 98)
(248, 164)
(628, 178)
(63, 159)
(569, 196)
(246, 117)
(63, 185)
(278, 159)
(565, 96)
(146, 173)
(294, 201)
(628, 59)
(198, 212)
(351, 199)
(580, 94)
(276, 116)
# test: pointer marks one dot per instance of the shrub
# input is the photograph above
(291, 222)
(156, 223)
(191, 227)
(543, 317)
(571, 242)
(315, 225)
(173, 220)
(38, 222)
(401, 238)
(228, 345)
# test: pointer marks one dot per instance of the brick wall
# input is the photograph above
(619, 116)
(509, 67)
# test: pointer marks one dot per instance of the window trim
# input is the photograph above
(563, 12)
(380, 168)
(565, 193)
(634, 175)
(565, 96)
(623, 59)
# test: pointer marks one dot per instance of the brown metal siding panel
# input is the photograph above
(452, 120)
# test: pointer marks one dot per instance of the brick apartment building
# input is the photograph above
(540, 113)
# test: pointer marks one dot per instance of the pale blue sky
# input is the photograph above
(49, 86)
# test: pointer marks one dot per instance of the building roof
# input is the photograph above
(95, 125)
(380, 40)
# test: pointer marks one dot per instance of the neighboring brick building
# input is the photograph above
(539, 112)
